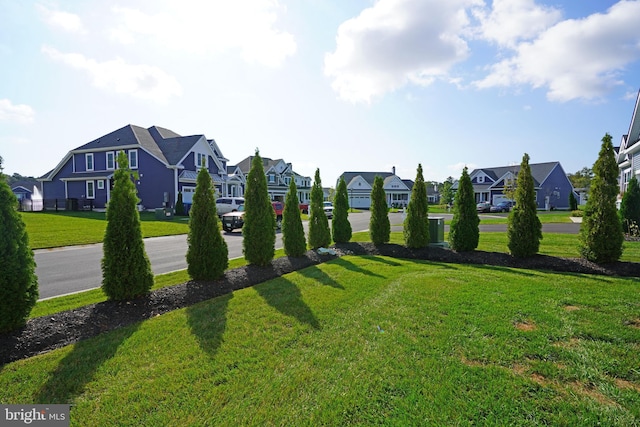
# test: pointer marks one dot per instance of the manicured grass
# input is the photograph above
(363, 340)
(54, 229)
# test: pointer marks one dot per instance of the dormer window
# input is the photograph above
(201, 160)
(480, 179)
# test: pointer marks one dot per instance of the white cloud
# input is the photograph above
(575, 58)
(396, 42)
(511, 21)
(63, 20)
(140, 81)
(210, 26)
(20, 113)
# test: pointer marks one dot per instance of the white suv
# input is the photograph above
(228, 204)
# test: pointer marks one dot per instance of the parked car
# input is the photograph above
(483, 207)
(328, 209)
(228, 204)
(504, 206)
(235, 219)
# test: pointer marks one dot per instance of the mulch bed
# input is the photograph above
(46, 333)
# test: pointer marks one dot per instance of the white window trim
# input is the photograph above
(88, 156)
(92, 185)
(100, 184)
(131, 166)
(111, 154)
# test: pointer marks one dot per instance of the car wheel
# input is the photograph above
(227, 229)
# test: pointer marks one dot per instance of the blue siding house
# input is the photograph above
(551, 184)
(166, 163)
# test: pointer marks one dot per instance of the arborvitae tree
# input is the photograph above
(126, 271)
(340, 225)
(464, 232)
(293, 238)
(319, 234)
(573, 202)
(630, 206)
(207, 254)
(601, 235)
(259, 229)
(18, 280)
(524, 230)
(416, 223)
(379, 226)
(179, 205)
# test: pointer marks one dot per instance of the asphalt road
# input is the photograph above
(73, 269)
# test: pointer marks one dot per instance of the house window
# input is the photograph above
(133, 159)
(111, 160)
(91, 194)
(100, 184)
(272, 179)
(89, 161)
(480, 179)
(201, 160)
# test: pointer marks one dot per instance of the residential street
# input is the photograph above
(77, 268)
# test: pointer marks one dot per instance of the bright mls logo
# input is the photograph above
(36, 415)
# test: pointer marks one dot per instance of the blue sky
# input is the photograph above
(356, 85)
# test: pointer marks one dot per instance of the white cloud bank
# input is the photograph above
(575, 58)
(397, 42)
(140, 81)
(400, 42)
(201, 26)
(16, 113)
(63, 20)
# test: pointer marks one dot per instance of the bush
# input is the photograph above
(18, 280)
(319, 234)
(340, 225)
(126, 271)
(179, 205)
(630, 206)
(464, 232)
(379, 226)
(207, 253)
(577, 213)
(416, 223)
(601, 236)
(259, 229)
(573, 202)
(293, 237)
(524, 229)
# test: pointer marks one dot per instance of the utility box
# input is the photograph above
(436, 230)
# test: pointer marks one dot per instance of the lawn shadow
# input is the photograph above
(79, 367)
(320, 276)
(356, 269)
(383, 260)
(284, 296)
(208, 322)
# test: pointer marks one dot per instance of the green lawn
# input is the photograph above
(54, 229)
(363, 341)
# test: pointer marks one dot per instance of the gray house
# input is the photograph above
(551, 184)
(628, 156)
(360, 184)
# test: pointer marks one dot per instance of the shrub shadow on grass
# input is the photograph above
(352, 267)
(208, 322)
(284, 296)
(314, 273)
(78, 368)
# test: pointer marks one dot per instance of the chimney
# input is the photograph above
(393, 170)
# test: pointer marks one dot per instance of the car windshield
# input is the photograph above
(241, 208)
